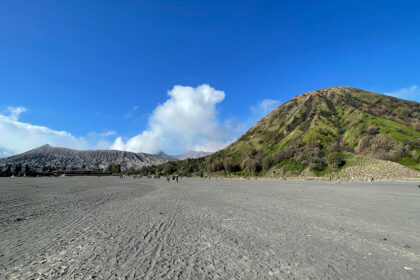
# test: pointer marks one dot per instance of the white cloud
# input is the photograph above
(107, 133)
(264, 107)
(131, 112)
(14, 112)
(408, 93)
(5, 152)
(103, 145)
(17, 137)
(102, 134)
(186, 121)
(210, 145)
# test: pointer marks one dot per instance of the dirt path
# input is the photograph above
(107, 228)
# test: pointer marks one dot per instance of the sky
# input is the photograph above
(175, 76)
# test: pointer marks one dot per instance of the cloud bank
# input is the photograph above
(407, 93)
(186, 121)
(17, 137)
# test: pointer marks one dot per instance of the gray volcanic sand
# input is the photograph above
(107, 228)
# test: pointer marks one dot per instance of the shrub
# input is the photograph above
(415, 156)
(267, 162)
(323, 131)
(253, 166)
(168, 168)
(380, 146)
(284, 154)
(252, 153)
(362, 145)
(8, 171)
(130, 171)
(334, 147)
(372, 130)
(244, 162)
(404, 112)
(317, 167)
(336, 160)
(114, 168)
(207, 164)
(229, 165)
(29, 171)
(378, 110)
(18, 169)
(416, 125)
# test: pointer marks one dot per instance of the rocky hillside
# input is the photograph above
(56, 158)
(317, 133)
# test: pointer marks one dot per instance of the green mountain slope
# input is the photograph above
(318, 132)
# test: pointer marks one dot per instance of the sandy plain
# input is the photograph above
(108, 228)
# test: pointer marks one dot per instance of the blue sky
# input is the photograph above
(102, 74)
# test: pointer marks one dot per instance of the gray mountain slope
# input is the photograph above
(64, 158)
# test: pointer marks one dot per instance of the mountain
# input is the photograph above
(320, 133)
(94, 160)
(192, 154)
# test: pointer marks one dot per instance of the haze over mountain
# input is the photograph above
(318, 133)
(192, 154)
(95, 160)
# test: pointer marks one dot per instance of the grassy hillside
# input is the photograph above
(318, 133)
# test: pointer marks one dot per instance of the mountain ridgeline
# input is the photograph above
(319, 133)
(47, 159)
